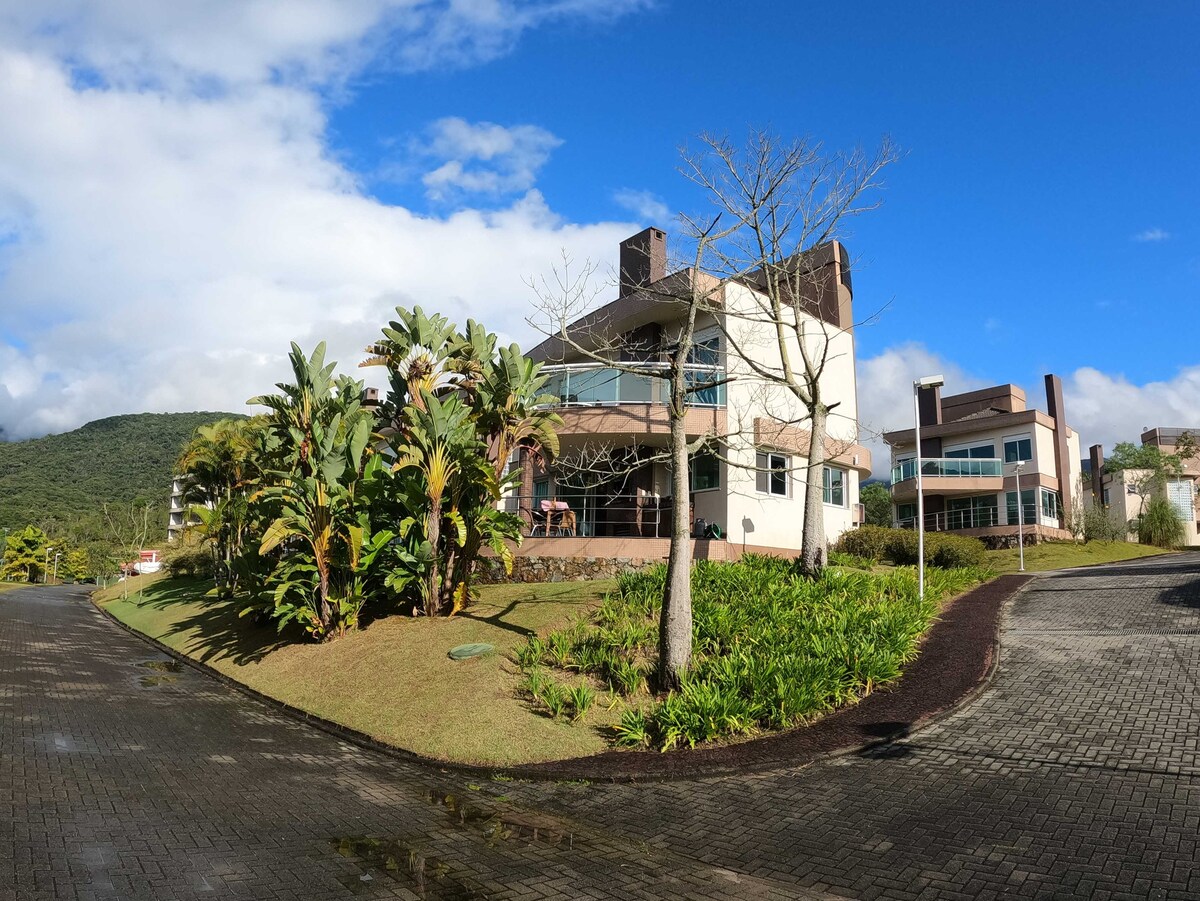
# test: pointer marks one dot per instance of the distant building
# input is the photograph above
(971, 445)
(1116, 493)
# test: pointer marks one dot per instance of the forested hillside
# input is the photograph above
(58, 483)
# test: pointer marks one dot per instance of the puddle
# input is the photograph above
(155, 681)
(502, 825)
(429, 876)
(162, 666)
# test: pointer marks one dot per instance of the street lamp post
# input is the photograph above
(929, 381)
(1020, 519)
(46, 565)
(57, 554)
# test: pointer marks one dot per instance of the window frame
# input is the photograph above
(766, 473)
(692, 461)
(1017, 439)
(827, 487)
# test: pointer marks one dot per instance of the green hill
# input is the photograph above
(59, 482)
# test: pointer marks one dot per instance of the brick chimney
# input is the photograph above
(643, 260)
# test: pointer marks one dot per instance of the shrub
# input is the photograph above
(1160, 525)
(953, 551)
(838, 558)
(1102, 525)
(868, 542)
(189, 557)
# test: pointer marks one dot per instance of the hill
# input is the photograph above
(60, 481)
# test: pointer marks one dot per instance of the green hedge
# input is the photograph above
(877, 543)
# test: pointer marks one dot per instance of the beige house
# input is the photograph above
(975, 447)
(1122, 493)
(609, 493)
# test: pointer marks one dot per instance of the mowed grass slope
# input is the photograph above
(1063, 554)
(393, 679)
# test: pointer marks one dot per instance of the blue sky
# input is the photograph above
(225, 180)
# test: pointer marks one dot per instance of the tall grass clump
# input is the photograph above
(1160, 525)
(772, 648)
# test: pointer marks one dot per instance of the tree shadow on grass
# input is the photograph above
(219, 631)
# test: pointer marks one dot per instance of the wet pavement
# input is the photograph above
(124, 775)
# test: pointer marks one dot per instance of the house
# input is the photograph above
(608, 494)
(177, 511)
(975, 447)
(1123, 494)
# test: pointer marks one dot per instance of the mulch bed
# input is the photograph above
(957, 659)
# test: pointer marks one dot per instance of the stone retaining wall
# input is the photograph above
(558, 569)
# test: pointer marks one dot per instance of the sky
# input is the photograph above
(185, 188)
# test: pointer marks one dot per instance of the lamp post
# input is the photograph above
(46, 565)
(1020, 519)
(57, 554)
(929, 381)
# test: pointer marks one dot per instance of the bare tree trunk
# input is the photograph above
(675, 622)
(812, 555)
(432, 601)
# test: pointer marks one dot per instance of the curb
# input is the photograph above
(836, 735)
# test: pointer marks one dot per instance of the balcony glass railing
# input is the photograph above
(947, 466)
(592, 384)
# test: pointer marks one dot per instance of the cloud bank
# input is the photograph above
(171, 214)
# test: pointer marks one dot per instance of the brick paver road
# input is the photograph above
(1075, 775)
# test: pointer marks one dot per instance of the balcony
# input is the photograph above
(592, 384)
(950, 476)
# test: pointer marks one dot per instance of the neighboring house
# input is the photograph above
(611, 483)
(970, 445)
(177, 513)
(1120, 493)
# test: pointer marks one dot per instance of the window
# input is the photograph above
(1106, 501)
(772, 476)
(972, 512)
(834, 486)
(1050, 504)
(1018, 449)
(1180, 495)
(906, 513)
(704, 472)
(1028, 505)
(541, 490)
(974, 452)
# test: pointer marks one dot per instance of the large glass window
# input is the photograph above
(972, 512)
(976, 452)
(704, 472)
(706, 352)
(906, 514)
(834, 489)
(1018, 449)
(1028, 505)
(773, 474)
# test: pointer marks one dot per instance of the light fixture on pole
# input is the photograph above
(57, 554)
(929, 381)
(1020, 519)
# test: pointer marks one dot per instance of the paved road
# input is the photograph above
(1074, 776)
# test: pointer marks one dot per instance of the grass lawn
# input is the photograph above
(1062, 554)
(13, 586)
(393, 679)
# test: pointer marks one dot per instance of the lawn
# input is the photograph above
(1062, 554)
(13, 586)
(393, 679)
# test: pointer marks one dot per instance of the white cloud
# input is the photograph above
(1106, 408)
(171, 215)
(646, 205)
(885, 393)
(483, 158)
(1152, 235)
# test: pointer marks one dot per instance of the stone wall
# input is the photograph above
(558, 569)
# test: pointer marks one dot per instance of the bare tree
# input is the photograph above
(128, 529)
(787, 202)
(566, 313)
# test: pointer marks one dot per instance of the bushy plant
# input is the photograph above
(1103, 525)
(1160, 525)
(953, 551)
(582, 697)
(869, 542)
(772, 648)
(189, 557)
(838, 558)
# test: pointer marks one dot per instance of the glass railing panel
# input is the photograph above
(606, 385)
(950, 467)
